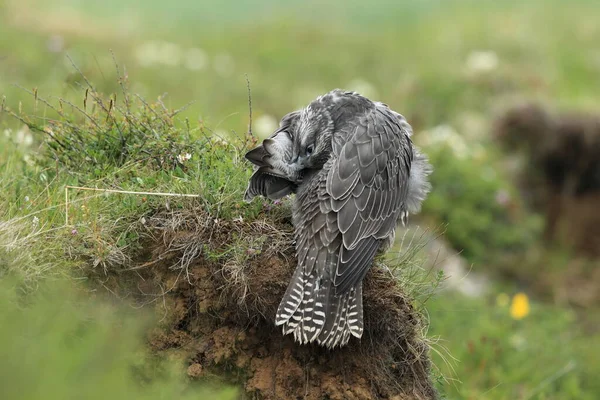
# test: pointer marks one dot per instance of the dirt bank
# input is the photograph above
(217, 284)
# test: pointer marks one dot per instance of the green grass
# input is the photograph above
(58, 344)
(411, 55)
(546, 355)
(415, 61)
(133, 147)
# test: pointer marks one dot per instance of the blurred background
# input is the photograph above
(503, 96)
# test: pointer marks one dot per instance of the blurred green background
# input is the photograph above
(449, 66)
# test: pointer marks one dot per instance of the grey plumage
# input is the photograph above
(355, 173)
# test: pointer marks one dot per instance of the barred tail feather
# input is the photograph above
(292, 299)
(312, 312)
(355, 312)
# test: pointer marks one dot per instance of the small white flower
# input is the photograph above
(28, 160)
(195, 59)
(482, 61)
(224, 64)
(502, 198)
(170, 54)
(36, 221)
(55, 44)
(518, 342)
(184, 157)
(24, 137)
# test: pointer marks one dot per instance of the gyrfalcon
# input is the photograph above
(355, 172)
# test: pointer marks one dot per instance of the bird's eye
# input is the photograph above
(310, 149)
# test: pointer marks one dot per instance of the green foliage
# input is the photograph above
(421, 49)
(106, 138)
(131, 146)
(543, 356)
(478, 205)
(58, 344)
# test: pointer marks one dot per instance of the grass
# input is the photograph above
(124, 150)
(543, 356)
(419, 69)
(75, 346)
(412, 56)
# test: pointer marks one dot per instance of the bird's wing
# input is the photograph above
(269, 186)
(276, 146)
(367, 187)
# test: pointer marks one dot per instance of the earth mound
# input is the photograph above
(217, 285)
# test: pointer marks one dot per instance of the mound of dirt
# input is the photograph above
(217, 285)
(562, 169)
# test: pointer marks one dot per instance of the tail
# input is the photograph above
(312, 311)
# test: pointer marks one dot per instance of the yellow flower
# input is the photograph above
(519, 308)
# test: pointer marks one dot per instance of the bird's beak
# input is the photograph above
(257, 156)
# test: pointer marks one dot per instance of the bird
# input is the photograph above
(355, 174)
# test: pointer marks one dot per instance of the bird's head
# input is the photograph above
(301, 144)
(312, 138)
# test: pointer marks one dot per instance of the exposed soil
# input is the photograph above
(220, 313)
(562, 173)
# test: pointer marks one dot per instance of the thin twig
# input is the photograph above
(66, 206)
(117, 191)
(89, 84)
(132, 192)
(85, 114)
(33, 127)
(249, 106)
(149, 108)
(37, 97)
(181, 109)
(570, 366)
(121, 82)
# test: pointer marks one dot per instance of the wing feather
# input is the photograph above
(370, 207)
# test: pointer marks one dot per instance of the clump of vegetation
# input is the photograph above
(484, 216)
(130, 149)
